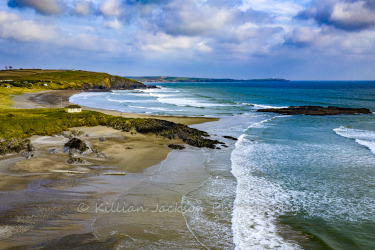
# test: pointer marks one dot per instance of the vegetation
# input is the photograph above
(14, 145)
(62, 79)
(6, 95)
(16, 125)
(17, 82)
(23, 123)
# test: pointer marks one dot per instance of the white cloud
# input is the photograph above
(161, 42)
(11, 26)
(110, 8)
(114, 24)
(83, 8)
(88, 42)
(352, 13)
(42, 6)
(284, 8)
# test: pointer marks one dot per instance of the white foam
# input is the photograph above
(132, 101)
(162, 95)
(189, 102)
(258, 204)
(363, 137)
(261, 123)
(247, 104)
(268, 106)
(369, 144)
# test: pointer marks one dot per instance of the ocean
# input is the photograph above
(288, 182)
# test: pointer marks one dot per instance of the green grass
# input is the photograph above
(23, 123)
(32, 80)
(6, 95)
(18, 124)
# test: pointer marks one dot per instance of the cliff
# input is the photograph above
(66, 79)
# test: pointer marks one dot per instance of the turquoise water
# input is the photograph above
(289, 181)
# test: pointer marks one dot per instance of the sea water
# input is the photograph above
(288, 182)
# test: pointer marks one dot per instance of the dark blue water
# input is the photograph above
(296, 181)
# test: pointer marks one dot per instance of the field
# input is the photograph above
(16, 82)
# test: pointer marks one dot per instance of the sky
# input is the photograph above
(241, 39)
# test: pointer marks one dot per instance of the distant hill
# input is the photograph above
(65, 79)
(189, 79)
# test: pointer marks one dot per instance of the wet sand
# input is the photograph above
(42, 196)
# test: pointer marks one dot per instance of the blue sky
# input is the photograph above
(243, 39)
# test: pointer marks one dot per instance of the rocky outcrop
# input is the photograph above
(168, 130)
(230, 137)
(76, 143)
(74, 160)
(15, 145)
(175, 146)
(317, 110)
(115, 83)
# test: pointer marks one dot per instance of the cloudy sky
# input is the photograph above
(243, 39)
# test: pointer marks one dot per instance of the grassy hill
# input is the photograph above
(16, 82)
(63, 79)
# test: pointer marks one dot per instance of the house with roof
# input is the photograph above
(73, 108)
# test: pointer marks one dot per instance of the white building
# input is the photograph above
(73, 108)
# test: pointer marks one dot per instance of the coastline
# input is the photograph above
(134, 154)
(60, 98)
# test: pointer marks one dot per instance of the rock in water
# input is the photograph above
(317, 110)
(230, 137)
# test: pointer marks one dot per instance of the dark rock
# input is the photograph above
(175, 146)
(102, 139)
(76, 143)
(317, 110)
(74, 160)
(230, 137)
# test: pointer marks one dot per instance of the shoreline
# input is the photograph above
(60, 98)
(132, 153)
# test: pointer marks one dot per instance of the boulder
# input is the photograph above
(76, 143)
(53, 151)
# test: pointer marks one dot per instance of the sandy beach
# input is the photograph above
(60, 98)
(120, 163)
